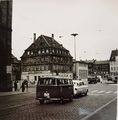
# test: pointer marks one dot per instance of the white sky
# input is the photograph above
(96, 22)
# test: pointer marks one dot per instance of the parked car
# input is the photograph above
(113, 78)
(109, 78)
(80, 88)
(92, 79)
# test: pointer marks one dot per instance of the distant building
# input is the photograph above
(5, 44)
(114, 63)
(80, 70)
(90, 66)
(44, 57)
(102, 68)
(98, 67)
(16, 69)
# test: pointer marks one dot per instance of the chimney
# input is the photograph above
(53, 36)
(34, 37)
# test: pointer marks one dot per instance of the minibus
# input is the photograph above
(54, 88)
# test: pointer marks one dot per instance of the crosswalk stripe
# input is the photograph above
(94, 91)
(109, 92)
(101, 91)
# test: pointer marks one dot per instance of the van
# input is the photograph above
(54, 88)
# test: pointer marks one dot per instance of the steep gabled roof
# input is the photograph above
(45, 41)
(114, 53)
(14, 59)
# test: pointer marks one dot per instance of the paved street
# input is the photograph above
(23, 106)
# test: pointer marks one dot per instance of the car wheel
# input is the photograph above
(86, 93)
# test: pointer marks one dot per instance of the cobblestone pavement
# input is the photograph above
(23, 106)
(79, 108)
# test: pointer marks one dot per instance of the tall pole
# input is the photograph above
(75, 34)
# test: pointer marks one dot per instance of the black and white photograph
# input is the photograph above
(58, 59)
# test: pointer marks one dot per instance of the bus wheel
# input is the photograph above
(70, 99)
(41, 101)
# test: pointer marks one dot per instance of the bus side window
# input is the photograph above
(66, 81)
(50, 81)
(58, 82)
(61, 81)
(41, 81)
(53, 81)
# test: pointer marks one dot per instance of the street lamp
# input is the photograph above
(75, 34)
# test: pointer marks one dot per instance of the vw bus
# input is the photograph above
(54, 88)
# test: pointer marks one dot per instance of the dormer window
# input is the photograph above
(28, 52)
(31, 52)
(39, 52)
(43, 51)
(47, 51)
(52, 50)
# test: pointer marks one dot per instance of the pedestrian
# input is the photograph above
(18, 86)
(15, 85)
(23, 86)
(26, 83)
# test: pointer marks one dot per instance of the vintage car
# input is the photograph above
(92, 79)
(80, 88)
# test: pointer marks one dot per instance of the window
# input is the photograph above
(47, 81)
(31, 52)
(43, 51)
(47, 51)
(39, 52)
(35, 78)
(28, 52)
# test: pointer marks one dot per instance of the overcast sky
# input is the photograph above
(96, 22)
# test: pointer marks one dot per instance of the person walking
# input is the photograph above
(18, 86)
(26, 83)
(15, 85)
(23, 86)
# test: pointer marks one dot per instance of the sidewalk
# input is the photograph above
(31, 89)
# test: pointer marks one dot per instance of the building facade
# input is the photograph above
(90, 66)
(102, 68)
(16, 69)
(44, 57)
(80, 69)
(5, 45)
(114, 63)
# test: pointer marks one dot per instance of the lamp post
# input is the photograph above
(74, 35)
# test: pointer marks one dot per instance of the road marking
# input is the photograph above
(94, 91)
(109, 92)
(101, 91)
(97, 110)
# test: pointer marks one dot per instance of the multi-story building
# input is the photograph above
(90, 66)
(44, 57)
(80, 70)
(102, 68)
(5, 44)
(114, 63)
